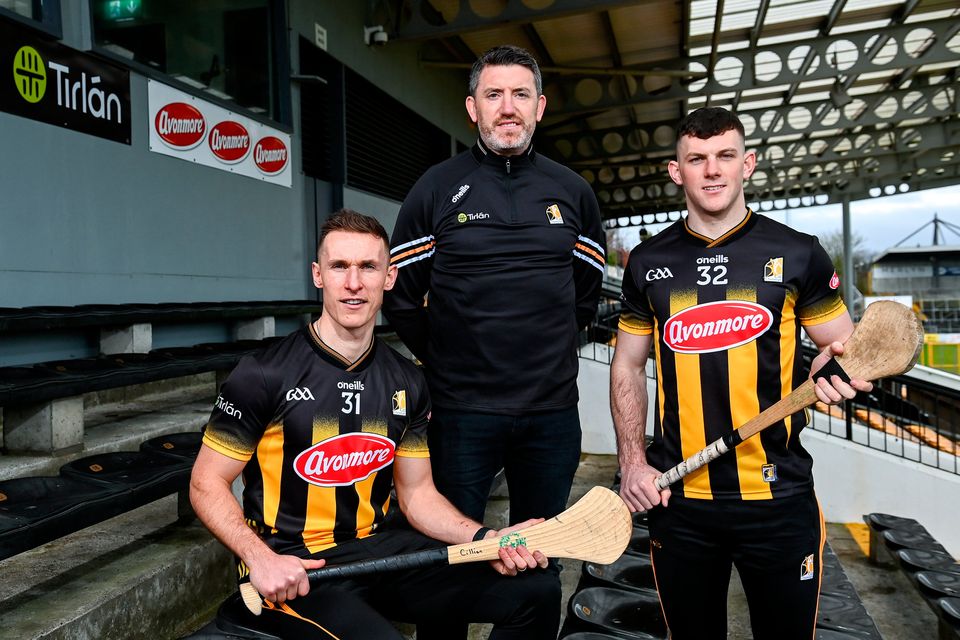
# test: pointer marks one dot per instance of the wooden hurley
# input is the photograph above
(886, 342)
(595, 529)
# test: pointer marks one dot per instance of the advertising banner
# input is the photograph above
(192, 129)
(46, 81)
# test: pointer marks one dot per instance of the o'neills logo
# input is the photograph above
(716, 326)
(229, 141)
(180, 125)
(345, 459)
(270, 155)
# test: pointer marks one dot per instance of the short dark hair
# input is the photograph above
(502, 56)
(707, 122)
(353, 222)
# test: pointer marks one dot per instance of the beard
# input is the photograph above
(500, 143)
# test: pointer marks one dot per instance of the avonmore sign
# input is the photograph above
(192, 129)
(345, 459)
(716, 326)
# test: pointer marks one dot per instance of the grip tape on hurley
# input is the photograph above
(832, 368)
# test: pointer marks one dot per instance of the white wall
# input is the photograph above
(853, 480)
(594, 384)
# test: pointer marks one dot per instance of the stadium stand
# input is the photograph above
(41, 401)
(931, 569)
(91, 450)
(36, 510)
(26, 319)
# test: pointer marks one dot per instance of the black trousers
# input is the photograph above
(524, 607)
(776, 546)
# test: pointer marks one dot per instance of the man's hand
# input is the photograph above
(514, 560)
(638, 488)
(835, 390)
(280, 578)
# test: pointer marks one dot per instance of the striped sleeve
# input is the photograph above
(636, 316)
(412, 249)
(590, 252)
(589, 257)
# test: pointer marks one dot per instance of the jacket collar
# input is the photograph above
(483, 154)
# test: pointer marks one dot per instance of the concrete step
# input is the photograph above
(122, 426)
(142, 575)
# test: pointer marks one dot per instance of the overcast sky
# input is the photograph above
(882, 222)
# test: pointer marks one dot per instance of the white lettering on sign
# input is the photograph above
(75, 95)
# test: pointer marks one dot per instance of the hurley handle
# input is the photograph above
(701, 458)
(415, 560)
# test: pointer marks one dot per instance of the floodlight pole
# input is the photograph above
(848, 275)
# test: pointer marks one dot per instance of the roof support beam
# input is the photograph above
(658, 136)
(797, 192)
(938, 52)
(425, 22)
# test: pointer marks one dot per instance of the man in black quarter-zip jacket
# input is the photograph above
(509, 250)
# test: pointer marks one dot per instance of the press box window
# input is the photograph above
(219, 47)
(43, 14)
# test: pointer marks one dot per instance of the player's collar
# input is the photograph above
(740, 229)
(333, 357)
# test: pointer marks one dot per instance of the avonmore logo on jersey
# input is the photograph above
(716, 326)
(345, 459)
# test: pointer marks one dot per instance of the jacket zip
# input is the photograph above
(513, 210)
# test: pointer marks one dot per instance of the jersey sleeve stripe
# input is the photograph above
(596, 254)
(413, 453)
(401, 247)
(231, 452)
(833, 312)
(397, 259)
(632, 324)
(422, 256)
(595, 245)
(589, 260)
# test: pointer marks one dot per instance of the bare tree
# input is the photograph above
(862, 259)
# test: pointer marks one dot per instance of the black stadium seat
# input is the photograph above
(633, 572)
(13, 319)
(845, 615)
(939, 584)
(234, 618)
(639, 541)
(950, 608)
(626, 614)
(914, 560)
(179, 445)
(64, 378)
(831, 634)
(896, 539)
(39, 509)
(147, 477)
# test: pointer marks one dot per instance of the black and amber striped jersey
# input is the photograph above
(512, 253)
(319, 436)
(725, 316)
